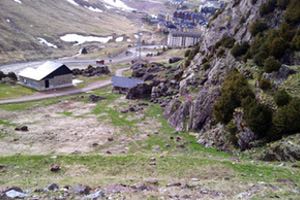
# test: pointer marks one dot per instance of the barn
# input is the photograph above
(48, 76)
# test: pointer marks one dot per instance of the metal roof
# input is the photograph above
(125, 82)
(40, 72)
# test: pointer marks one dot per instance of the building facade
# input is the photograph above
(50, 75)
(183, 39)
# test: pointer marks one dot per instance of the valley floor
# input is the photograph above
(126, 150)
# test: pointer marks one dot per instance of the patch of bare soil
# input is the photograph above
(66, 127)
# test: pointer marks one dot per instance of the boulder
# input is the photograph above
(81, 189)
(91, 71)
(83, 51)
(141, 91)
(55, 168)
(94, 98)
(286, 149)
(174, 60)
(14, 193)
(96, 195)
(52, 187)
(22, 128)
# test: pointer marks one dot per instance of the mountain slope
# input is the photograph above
(22, 23)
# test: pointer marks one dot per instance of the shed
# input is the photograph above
(50, 75)
(124, 84)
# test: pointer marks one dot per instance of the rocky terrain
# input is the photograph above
(189, 90)
(103, 146)
(221, 122)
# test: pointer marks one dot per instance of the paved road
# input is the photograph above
(73, 62)
(63, 92)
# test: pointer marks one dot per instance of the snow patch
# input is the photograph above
(93, 9)
(120, 39)
(18, 1)
(76, 82)
(80, 39)
(45, 42)
(117, 4)
(73, 2)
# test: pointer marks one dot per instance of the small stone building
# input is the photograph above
(123, 84)
(48, 76)
(179, 39)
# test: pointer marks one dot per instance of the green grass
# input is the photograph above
(30, 105)
(107, 169)
(6, 123)
(8, 91)
(89, 80)
(51, 101)
(66, 113)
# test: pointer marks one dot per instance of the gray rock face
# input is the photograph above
(200, 87)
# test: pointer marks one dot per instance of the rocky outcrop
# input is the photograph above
(141, 91)
(200, 82)
(91, 71)
(286, 149)
(280, 76)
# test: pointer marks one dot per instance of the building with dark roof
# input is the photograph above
(124, 84)
(50, 75)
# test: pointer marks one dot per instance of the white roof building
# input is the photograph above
(50, 75)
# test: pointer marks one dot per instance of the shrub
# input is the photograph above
(187, 53)
(187, 63)
(286, 119)
(2, 75)
(278, 47)
(232, 129)
(240, 49)
(296, 42)
(292, 14)
(206, 66)
(12, 76)
(287, 31)
(271, 65)
(282, 98)
(260, 57)
(264, 84)
(220, 52)
(258, 27)
(282, 3)
(267, 7)
(253, 2)
(259, 118)
(234, 89)
(226, 42)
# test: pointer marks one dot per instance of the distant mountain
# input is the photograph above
(32, 29)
